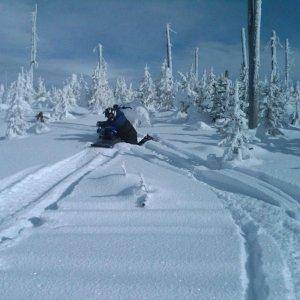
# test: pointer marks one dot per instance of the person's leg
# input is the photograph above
(145, 139)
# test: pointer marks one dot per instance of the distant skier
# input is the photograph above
(40, 117)
(117, 126)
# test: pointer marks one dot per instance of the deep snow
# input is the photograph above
(166, 220)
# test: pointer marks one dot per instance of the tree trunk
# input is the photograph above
(100, 54)
(169, 50)
(273, 55)
(287, 64)
(197, 62)
(244, 49)
(254, 18)
(33, 61)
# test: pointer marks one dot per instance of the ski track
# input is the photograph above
(26, 200)
(266, 201)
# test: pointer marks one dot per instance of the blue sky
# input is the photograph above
(132, 34)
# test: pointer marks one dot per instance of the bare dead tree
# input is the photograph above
(169, 47)
(34, 38)
(287, 63)
(197, 62)
(244, 49)
(254, 22)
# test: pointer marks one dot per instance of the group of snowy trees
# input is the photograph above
(233, 106)
(157, 95)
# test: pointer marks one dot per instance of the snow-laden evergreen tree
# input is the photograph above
(101, 93)
(121, 91)
(208, 82)
(146, 90)
(221, 98)
(75, 86)
(165, 88)
(295, 118)
(41, 95)
(272, 110)
(62, 105)
(236, 130)
(187, 87)
(15, 119)
(25, 100)
(84, 93)
(131, 94)
(69, 95)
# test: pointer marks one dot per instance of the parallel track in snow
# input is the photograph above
(256, 204)
(22, 202)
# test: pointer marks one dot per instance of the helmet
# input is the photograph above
(110, 113)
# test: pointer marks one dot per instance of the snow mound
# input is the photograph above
(40, 128)
(181, 116)
(201, 125)
(139, 116)
(66, 116)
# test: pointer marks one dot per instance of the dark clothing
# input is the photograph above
(125, 130)
(40, 117)
(120, 128)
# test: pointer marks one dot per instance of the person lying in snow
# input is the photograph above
(118, 126)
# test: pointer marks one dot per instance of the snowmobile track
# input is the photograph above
(262, 194)
(39, 190)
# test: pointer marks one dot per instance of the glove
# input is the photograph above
(100, 123)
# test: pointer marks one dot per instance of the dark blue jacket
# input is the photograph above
(124, 128)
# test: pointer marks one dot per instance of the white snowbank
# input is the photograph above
(139, 116)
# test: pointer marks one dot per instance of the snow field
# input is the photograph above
(166, 220)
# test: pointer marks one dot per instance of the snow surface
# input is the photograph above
(166, 220)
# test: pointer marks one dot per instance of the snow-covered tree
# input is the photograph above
(131, 94)
(235, 130)
(295, 118)
(16, 123)
(101, 93)
(77, 86)
(272, 110)
(69, 94)
(62, 106)
(208, 82)
(187, 87)
(221, 98)
(121, 91)
(84, 93)
(41, 95)
(165, 88)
